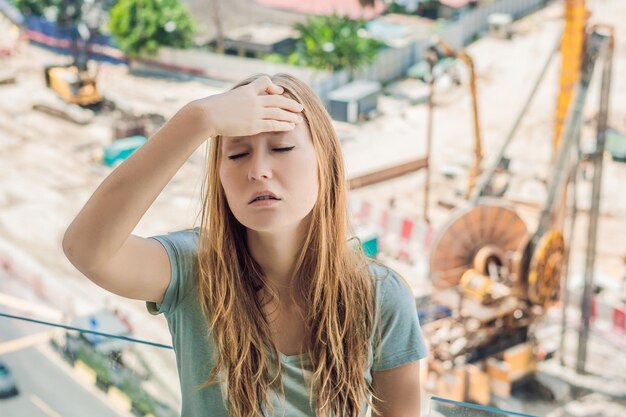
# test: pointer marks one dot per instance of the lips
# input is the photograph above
(263, 195)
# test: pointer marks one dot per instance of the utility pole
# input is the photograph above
(431, 57)
(598, 157)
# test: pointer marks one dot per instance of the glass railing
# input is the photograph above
(61, 370)
(93, 365)
(441, 407)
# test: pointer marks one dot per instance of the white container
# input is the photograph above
(500, 25)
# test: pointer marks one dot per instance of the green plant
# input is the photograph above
(143, 26)
(95, 361)
(276, 58)
(126, 380)
(141, 401)
(35, 7)
(397, 8)
(334, 42)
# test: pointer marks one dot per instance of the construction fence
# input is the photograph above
(391, 63)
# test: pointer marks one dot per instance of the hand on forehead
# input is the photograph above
(278, 107)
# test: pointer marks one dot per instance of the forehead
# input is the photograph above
(238, 140)
(298, 135)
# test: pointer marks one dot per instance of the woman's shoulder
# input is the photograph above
(389, 284)
(189, 233)
(183, 240)
(182, 249)
(398, 337)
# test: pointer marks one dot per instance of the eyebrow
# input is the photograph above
(234, 141)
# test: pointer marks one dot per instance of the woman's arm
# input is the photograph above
(99, 241)
(398, 391)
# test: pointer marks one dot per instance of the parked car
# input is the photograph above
(8, 386)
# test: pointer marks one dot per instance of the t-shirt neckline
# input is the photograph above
(304, 356)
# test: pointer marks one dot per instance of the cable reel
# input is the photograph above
(546, 266)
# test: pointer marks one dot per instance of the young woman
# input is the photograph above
(273, 309)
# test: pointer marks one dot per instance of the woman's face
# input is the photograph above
(282, 165)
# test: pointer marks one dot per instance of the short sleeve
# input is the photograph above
(182, 250)
(400, 338)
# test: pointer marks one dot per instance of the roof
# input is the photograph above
(455, 4)
(234, 14)
(350, 8)
(398, 29)
(262, 34)
(355, 90)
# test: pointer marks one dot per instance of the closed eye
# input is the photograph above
(237, 156)
(284, 149)
(240, 155)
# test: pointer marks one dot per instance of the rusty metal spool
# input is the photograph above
(519, 268)
(545, 269)
(490, 228)
(489, 254)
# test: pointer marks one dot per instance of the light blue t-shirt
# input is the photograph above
(401, 339)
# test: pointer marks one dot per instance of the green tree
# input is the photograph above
(335, 42)
(142, 26)
(35, 7)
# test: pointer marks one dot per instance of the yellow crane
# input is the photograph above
(572, 43)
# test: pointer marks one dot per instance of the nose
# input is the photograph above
(259, 167)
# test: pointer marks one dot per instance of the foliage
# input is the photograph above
(35, 7)
(126, 380)
(275, 58)
(142, 26)
(95, 361)
(334, 42)
(291, 59)
(397, 8)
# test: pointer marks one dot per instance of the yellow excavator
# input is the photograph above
(73, 82)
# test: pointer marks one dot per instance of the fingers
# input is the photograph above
(275, 89)
(282, 102)
(276, 126)
(265, 85)
(281, 115)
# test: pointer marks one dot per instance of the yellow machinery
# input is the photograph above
(445, 50)
(437, 51)
(497, 277)
(73, 85)
(572, 44)
(74, 82)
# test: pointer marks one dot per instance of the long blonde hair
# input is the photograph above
(333, 280)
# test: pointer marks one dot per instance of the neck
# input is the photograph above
(276, 253)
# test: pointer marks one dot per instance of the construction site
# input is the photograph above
(499, 194)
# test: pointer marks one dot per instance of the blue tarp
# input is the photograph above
(49, 35)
